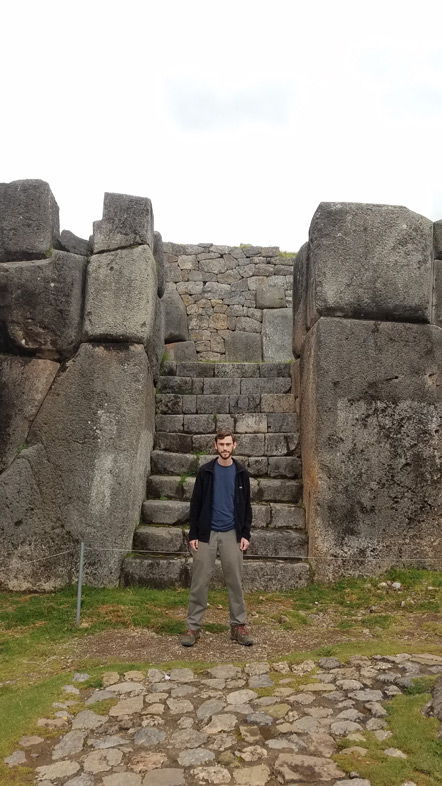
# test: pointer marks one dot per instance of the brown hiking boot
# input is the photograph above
(190, 638)
(240, 634)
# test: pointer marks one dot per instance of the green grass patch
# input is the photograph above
(413, 734)
(215, 627)
(420, 685)
(19, 711)
(378, 621)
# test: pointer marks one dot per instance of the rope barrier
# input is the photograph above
(48, 556)
(187, 553)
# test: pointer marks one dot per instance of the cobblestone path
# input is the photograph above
(191, 728)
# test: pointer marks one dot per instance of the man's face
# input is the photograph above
(225, 447)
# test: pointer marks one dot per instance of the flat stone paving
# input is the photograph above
(186, 727)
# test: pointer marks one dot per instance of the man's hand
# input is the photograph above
(244, 545)
(194, 545)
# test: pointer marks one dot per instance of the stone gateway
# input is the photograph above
(122, 356)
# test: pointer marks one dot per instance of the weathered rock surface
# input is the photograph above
(127, 221)
(158, 252)
(24, 383)
(181, 351)
(302, 291)
(273, 297)
(155, 342)
(29, 220)
(437, 293)
(121, 296)
(241, 346)
(41, 305)
(277, 334)
(175, 317)
(74, 244)
(83, 476)
(371, 444)
(371, 262)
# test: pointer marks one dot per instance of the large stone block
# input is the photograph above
(242, 346)
(24, 383)
(273, 297)
(41, 305)
(371, 441)
(278, 543)
(121, 296)
(155, 341)
(371, 262)
(74, 244)
(29, 220)
(158, 252)
(83, 476)
(251, 423)
(167, 463)
(437, 239)
(274, 576)
(127, 221)
(285, 516)
(157, 573)
(176, 443)
(303, 290)
(437, 293)
(251, 444)
(181, 351)
(277, 334)
(161, 539)
(175, 317)
(164, 486)
(284, 467)
(237, 370)
(161, 511)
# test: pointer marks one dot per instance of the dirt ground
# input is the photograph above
(271, 642)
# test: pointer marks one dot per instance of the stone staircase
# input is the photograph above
(194, 400)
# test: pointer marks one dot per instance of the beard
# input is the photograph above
(225, 454)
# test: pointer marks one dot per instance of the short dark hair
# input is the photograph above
(223, 434)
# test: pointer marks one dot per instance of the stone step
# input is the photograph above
(226, 370)
(162, 539)
(222, 386)
(258, 575)
(286, 444)
(167, 463)
(224, 404)
(262, 490)
(290, 544)
(172, 488)
(239, 423)
(165, 511)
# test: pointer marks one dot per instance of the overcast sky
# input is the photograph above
(235, 118)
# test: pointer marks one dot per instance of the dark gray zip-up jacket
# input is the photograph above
(201, 503)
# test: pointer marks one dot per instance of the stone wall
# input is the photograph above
(228, 303)
(80, 347)
(368, 338)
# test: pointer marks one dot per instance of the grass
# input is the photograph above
(412, 733)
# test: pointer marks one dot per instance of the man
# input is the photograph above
(220, 519)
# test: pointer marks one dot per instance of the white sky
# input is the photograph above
(235, 118)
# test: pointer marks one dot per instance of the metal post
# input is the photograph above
(80, 580)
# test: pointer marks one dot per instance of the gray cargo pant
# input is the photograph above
(203, 564)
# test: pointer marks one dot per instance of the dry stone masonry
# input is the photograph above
(232, 304)
(367, 332)
(91, 329)
(194, 400)
(80, 344)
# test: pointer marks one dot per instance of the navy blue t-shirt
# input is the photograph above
(223, 509)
